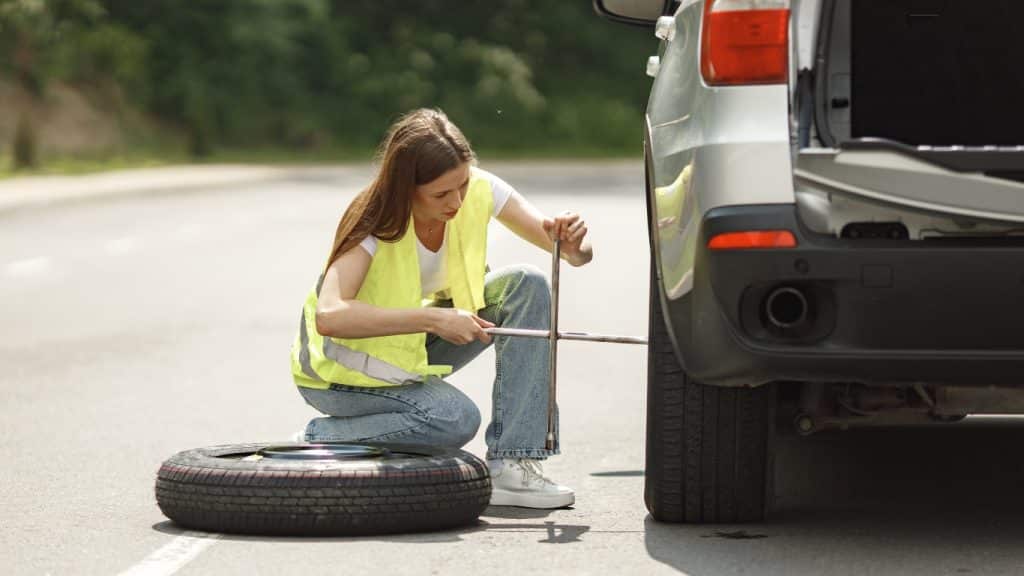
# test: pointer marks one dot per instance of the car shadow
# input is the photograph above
(936, 500)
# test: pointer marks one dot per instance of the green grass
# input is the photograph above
(561, 153)
(277, 156)
(73, 166)
(345, 155)
(271, 155)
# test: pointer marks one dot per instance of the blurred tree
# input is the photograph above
(24, 146)
(30, 31)
(517, 74)
(106, 57)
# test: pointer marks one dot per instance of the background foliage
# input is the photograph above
(539, 75)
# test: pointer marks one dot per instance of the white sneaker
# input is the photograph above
(518, 482)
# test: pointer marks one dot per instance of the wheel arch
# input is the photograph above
(667, 307)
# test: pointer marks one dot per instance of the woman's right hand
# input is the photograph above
(460, 327)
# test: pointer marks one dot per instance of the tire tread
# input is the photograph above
(707, 447)
(198, 490)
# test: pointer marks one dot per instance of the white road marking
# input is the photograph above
(123, 245)
(174, 555)
(27, 267)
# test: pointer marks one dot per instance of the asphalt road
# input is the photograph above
(137, 326)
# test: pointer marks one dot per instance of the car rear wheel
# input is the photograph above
(708, 448)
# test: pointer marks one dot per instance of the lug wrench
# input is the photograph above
(554, 336)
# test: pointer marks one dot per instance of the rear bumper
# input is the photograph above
(878, 311)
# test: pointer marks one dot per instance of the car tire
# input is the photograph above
(322, 489)
(708, 457)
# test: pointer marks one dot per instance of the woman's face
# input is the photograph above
(439, 200)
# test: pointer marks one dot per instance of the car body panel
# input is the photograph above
(712, 146)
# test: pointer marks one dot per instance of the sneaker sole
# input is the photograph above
(501, 497)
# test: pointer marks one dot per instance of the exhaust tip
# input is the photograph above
(786, 308)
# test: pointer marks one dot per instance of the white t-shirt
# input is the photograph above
(434, 265)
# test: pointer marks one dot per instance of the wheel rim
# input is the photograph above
(323, 451)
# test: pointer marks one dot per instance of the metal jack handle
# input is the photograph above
(554, 336)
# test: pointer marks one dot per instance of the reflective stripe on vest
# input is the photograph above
(351, 359)
(393, 281)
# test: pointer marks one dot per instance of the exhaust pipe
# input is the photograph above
(787, 308)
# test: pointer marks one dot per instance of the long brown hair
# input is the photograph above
(419, 148)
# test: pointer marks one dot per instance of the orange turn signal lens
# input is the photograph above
(753, 239)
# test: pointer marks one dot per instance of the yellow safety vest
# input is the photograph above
(393, 281)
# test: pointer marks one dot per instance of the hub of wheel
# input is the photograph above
(323, 451)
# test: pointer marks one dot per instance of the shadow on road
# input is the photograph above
(551, 532)
(516, 513)
(942, 500)
(618, 474)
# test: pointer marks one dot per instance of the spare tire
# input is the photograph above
(322, 489)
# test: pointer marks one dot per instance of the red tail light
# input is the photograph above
(745, 42)
(753, 239)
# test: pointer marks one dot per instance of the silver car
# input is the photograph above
(835, 194)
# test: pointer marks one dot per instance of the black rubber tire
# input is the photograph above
(708, 448)
(411, 490)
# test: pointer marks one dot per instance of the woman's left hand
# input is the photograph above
(571, 229)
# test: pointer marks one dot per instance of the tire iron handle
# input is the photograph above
(553, 336)
(556, 252)
(580, 336)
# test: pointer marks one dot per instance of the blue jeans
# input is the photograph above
(434, 412)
